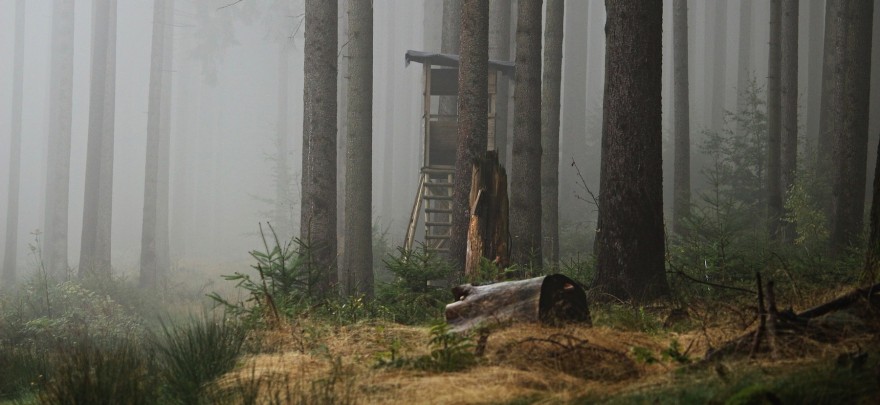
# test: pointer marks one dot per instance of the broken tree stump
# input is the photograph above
(488, 235)
(548, 299)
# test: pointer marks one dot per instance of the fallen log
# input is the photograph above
(841, 302)
(549, 299)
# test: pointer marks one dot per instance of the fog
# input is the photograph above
(225, 113)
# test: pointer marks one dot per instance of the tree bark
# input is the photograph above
(825, 138)
(849, 119)
(318, 207)
(774, 122)
(150, 271)
(488, 232)
(745, 70)
(630, 237)
(789, 106)
(473, 108)
(525, 199)
(550, 109)
(10, 257)
(814, 74)
(719, 59)
(58, 145)
(682, 181)
(98, 207)
(357, 256)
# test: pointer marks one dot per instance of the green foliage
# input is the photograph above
(284, 282)
(450, 351)
(626, 317)
(195, 354)
(409, 299)
(119, 371)
(23, 372)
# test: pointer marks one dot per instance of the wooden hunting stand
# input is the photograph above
(434, 194)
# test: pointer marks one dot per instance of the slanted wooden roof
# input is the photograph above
(449, 60)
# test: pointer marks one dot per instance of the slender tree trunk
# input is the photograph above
(682, 181)
(788, 105)
(318, 216)
(58, 153)
(872, 251)
(151, 270)
(719, 58)
(525, 183)
(473, 108)
(499, 49)
(774, 122)
(630, 239)
(282, 219)
(574, 108)
(97, 211)
(10, 258)
(550, 109)
(849, 119)
(814, 74)
(357, 262)
(745, 70)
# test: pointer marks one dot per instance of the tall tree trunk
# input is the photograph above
(826, 139)
(318, 215)
(630, 240)
(745, 70)
(525, 183)
(450, 43)
(573, 131)
(814, 75)
(10, 258)
(282, 215)
(357, 259)
(789, 105)
(872, 251)
(58, 153)
(849, 118)
(499, 49)
(151, 271)
(98, 207)
(719, 58)
(473, 108)
(550, 108)
(774, 122)
(682, 181)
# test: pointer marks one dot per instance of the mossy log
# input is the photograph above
(549, 299)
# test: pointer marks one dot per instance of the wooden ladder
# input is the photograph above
(435, 194)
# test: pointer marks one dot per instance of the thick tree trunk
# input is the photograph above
(473, 108)
(547, 299)
(682, 181)
(318, 208)
(525, 197)
(58, 146)
(630, 237)
(10, 257)
(789, 105)
(357, 264)
(163, 248)
(499, 49)
(488, 232)
(150, 268)
(98, 207)
(774, 122)
(849, 119)
(550, 109)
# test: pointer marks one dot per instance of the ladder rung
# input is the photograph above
(444, 184)
(436, 237)
(438, 224)
(438, 211)
(438, 197)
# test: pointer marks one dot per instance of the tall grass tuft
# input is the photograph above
(119, 371)
(197, 353)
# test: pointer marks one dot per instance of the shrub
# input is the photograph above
(409, 299)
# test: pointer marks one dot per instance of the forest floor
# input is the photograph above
(642, 357)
